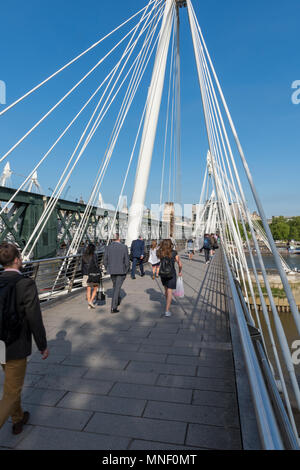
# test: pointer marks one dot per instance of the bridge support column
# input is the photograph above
(150, 126)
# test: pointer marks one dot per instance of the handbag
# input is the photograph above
(179, 292)
(101, 290)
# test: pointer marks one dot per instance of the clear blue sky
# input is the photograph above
(255, 48)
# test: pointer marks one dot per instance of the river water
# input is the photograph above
(292, 260)
(286, 318)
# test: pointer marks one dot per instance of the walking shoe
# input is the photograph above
(92, 305)
(168, 314)
(114, 310)
(17, 428)
(142, 275)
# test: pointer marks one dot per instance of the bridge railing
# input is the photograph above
(62, 275)
(275, 429)
(56, 276)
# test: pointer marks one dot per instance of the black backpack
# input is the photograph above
(166, 268)
(11, 321)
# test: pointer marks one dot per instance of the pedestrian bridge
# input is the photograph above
(139, 380)
(203, 378)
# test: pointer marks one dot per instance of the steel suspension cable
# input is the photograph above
(72, 61)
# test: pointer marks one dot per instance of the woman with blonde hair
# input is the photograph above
(153, 259)
(167, 271)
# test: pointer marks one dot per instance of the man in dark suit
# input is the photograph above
(116, 261)
(28, 307)
(137, 252)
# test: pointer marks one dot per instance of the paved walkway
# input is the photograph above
(136, 379)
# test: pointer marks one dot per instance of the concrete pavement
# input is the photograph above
(136, 379)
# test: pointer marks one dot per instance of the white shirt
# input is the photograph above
(153, 259)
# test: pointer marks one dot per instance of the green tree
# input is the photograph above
(294, 225)
(280, 228)
(241, 230)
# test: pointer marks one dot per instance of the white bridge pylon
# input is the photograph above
(150, 125)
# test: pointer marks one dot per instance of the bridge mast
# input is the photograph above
(150, 125)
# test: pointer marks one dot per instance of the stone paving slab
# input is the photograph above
(139, 428)
(215, 399)
(122, 376)
(135, 380)
(9, 440)
(191, 414)
(93, 387)
(39, 396)
(96, 361)
(211, 437)
(188, 351)
(152, 393)
(58, 418)
(43, 368)
(48, 439)
(116, 405)
(195, 383)
(52, 359)
(151, 445)
(161, 368)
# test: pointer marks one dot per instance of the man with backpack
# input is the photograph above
(20, 318)
(206, 247)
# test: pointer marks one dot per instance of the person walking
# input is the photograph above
(190, 248)
(213, 244)
(168, 257)
(137, 252)
(116, 262)
(153, 259)
(91, 274)
(18, 295)
(206, 247)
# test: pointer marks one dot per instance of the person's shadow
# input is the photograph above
(109, 294)
(60, 345)
(156, 296)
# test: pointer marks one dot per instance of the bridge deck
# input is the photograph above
(136, 380)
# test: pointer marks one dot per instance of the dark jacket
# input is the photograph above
(137, 248)
(28, 305)
(116, 259)
(87, 263)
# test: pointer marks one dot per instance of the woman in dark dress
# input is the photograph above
(166, 252)
(90, 265)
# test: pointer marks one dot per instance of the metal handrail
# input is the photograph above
(272, 436)
(56, 276)
(62, 274)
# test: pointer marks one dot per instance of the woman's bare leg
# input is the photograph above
(88, 294)
(94, 294)
(169, 293)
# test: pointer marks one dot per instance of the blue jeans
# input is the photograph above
(136, 261)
